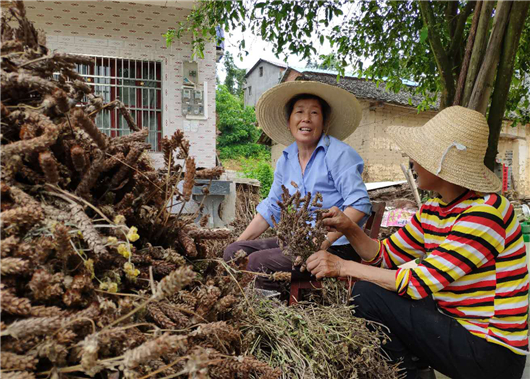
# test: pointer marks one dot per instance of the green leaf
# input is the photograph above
(424, 33)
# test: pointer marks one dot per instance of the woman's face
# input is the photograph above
(306, 121)
(425, 180)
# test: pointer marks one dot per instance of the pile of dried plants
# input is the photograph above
(98, 278)
(316, 339)
(300, 230)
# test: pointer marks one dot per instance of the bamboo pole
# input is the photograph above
(412, 183)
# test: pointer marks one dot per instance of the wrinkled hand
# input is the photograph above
(336, 220)
(324, 265)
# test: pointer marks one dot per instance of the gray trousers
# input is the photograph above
(266, 256)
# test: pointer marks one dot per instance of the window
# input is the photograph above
(261, 71)
(250, 90)
(138, 84)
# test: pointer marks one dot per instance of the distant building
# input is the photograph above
(262, 76)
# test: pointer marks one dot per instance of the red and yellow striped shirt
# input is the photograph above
(472, 261)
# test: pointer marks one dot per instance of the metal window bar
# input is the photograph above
(138, 84)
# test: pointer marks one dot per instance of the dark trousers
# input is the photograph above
(421, 336)
(266, 256)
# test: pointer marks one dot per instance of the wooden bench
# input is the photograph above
(371, 228)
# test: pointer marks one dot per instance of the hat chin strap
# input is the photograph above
(459, 146)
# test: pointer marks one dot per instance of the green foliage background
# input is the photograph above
(237, 139)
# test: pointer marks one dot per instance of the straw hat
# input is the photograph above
(344, 117)
(452, 146)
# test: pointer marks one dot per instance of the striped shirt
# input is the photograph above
(472, 260)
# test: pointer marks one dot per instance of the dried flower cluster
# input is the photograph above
(300, 231)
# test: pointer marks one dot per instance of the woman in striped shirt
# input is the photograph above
(451, 286)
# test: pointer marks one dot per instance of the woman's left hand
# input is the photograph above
(324, 265)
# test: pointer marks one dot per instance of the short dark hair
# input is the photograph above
(326, 109)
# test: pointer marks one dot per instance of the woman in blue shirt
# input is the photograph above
(311, 118)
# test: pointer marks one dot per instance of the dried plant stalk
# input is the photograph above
(9, 246)
(210, 173)
(153, 349)
(160, 317)
(128, 118)
(174, 282)
(81, 120)
(172, 256)
(130, 161)
(45, 286)
(90, 234)
(77, 154)
(18, 375)
(300, 231)
(12, 361)
(20, 219)
(91, 176)
(139, 136)
(14, 305)
(43, 311)
(175, 314)
(48, 165)
(10, 266)
(225, 303)
(210, 233)
(62, 239)
(89, 355)
(26, 147)
(187, 243)
(189, 179)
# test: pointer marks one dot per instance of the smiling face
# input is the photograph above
(306, 121)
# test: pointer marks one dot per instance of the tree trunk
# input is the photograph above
(481, 91)
(504, 77)
(445, 67)
(467, 57)
(479, 48)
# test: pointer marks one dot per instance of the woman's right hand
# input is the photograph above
(336, 221)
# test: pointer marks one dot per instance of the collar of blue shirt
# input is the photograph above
(323, 143)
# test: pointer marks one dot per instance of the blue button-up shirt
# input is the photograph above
(334, 170)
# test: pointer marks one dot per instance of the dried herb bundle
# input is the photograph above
(300, 231)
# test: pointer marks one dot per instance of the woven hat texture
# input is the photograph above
(342, 121)
(451, 145)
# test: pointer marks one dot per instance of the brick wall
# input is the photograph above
(134, 31)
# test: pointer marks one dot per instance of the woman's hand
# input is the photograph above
(324, 265)
(336, 220)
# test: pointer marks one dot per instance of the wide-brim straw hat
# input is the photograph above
(452, 146)
(343, 119)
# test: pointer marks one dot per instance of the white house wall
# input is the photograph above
(134, 31)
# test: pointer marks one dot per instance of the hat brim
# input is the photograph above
(422, 148)
(344, 117)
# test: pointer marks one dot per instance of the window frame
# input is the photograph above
(113, 73)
